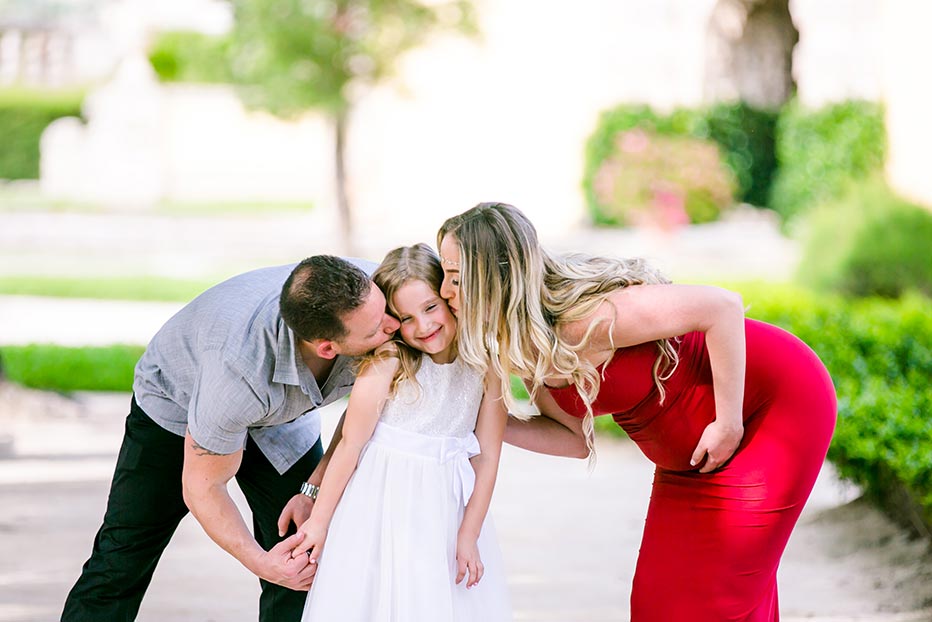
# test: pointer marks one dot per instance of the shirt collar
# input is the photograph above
(290, 367)
(288, 362)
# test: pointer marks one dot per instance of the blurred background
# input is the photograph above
(777, 147)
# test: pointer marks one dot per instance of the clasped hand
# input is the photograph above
(280, 564)
(717, 444)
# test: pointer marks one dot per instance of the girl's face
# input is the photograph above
(426, 321)
(450, 260)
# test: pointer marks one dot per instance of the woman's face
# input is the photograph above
(450, 260)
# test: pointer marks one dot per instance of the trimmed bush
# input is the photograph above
(879, 356)
(820, 151)
(665, 181)
(743, 135)
(58, 368)
(746, 137)
(24, 115)
(869, 242)
(111, 288)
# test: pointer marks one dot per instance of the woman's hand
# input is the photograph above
(717, 444)
(467, 559)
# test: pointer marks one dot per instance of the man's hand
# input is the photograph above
(278, 566)
(296, 511)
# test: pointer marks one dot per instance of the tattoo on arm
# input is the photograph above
(203, 451)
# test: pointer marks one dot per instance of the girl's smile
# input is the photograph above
(426, 321)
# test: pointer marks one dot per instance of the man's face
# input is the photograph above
(368, 326)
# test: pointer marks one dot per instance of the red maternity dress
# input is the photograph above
(712, 542)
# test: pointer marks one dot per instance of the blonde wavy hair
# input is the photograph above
(515, 296)
(400, 266)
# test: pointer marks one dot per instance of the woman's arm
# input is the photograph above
(362, 414)
(644, 313)
(553, 432)
(490, 427)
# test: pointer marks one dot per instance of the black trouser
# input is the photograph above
(144, 508)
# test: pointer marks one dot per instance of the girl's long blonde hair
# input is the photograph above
(400, 266)
(515, 296)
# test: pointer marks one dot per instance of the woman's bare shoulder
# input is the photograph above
(595, 325)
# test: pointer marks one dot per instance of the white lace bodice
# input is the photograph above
(446, 404)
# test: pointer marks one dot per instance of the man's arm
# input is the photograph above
(204, 483)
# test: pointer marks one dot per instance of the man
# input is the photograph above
(220, 392)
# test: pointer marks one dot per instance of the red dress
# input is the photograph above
(712, 541)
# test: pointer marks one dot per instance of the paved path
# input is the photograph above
(569, 537)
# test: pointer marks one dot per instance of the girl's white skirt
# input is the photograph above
(390, 554)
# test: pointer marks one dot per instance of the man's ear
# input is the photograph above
(325, 348)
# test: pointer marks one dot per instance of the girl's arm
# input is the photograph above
(644, 313)
(369, 392)
(298, 509)
(490, 427)
(554, 432)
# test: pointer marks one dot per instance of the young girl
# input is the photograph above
(400, 545)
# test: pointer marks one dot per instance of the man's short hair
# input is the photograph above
(318, 293)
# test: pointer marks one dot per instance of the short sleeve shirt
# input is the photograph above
(226, 366)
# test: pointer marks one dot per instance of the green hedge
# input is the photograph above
(151, 288)
(868, 243)
(744, 135)
(820, 151)
(24, 115)
(58, 368)
(880, 358)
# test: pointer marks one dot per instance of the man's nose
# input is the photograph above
(390, 324)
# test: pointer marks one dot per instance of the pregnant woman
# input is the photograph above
(736, 414)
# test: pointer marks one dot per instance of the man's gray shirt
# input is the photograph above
(226, 366)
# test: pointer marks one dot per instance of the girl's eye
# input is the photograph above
(431, 307)
(404, 320)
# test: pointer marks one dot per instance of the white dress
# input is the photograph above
(390, 553)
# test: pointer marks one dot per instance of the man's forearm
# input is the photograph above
(215, 510)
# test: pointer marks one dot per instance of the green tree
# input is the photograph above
(291, 56)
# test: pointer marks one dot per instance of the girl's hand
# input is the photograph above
(717, 444)
(467, 559)
(313, 542)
